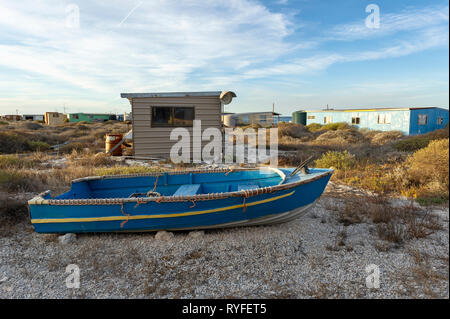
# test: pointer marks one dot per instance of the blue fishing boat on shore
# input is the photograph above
(180, 200)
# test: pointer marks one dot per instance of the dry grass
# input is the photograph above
(393, 224)
(12, 213)
(340, 137)
(17, 136)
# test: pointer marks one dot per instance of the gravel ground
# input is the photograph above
(316, 256)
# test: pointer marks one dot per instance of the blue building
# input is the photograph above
(410, 121)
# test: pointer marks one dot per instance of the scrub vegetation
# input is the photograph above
(35, 157)
(358, 219)
(386, 163)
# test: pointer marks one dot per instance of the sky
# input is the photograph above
(78, 56)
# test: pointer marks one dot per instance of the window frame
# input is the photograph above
(384, 118)
(172, 107)
(421, 116)
(356, 120)
(440, 120)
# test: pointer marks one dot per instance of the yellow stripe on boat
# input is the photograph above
(131, 217)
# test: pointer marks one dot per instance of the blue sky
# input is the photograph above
(300, 54)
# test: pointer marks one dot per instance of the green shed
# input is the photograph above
(89, 117)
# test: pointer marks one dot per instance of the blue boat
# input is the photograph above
(180, 200)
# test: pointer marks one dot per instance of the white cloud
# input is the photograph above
(156, 48)
(405, 21)
(178, 45)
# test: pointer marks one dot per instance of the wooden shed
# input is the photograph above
(155, 115)
(54, 118)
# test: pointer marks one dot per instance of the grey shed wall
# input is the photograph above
(151, 141)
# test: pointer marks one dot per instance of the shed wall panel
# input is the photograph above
(151, 141)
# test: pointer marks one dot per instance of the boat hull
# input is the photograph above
(264, 209)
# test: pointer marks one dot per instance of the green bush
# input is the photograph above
(336, 126)
(338, 160)
(13, 143)
(314, 127)
(412, 144)
(3, 123)
(38, 146)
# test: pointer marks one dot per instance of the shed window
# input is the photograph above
(172, 116)
(75, 116)
(245, 119)
(311, 117)
(356, 120)
(422, 119)
(384, 119)
(440, 120)
(55, 115)
(326, 119)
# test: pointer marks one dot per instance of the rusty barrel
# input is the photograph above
(111, 141)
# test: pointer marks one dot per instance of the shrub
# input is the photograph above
(336, 126)
(314, 127)
(339, 160)
(69, 148)
(3, 123)
(13, 143)
(291, 129)
(392, 231)
(38, 146)
(14, 161)
(428, 170)
(31, 125)
(385, 137)
(340, 137)
(89, 159)
(412, 144)
(14, 180)
(121, 170)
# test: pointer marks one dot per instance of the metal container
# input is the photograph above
(111, 141)
(299, 117)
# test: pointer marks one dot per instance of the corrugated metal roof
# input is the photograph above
(170, 94)
(250, 113)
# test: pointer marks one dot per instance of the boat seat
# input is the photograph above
(244, 187)
(187, 190)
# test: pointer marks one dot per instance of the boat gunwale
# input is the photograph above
(40, 200)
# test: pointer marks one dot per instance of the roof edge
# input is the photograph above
(171, 94)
